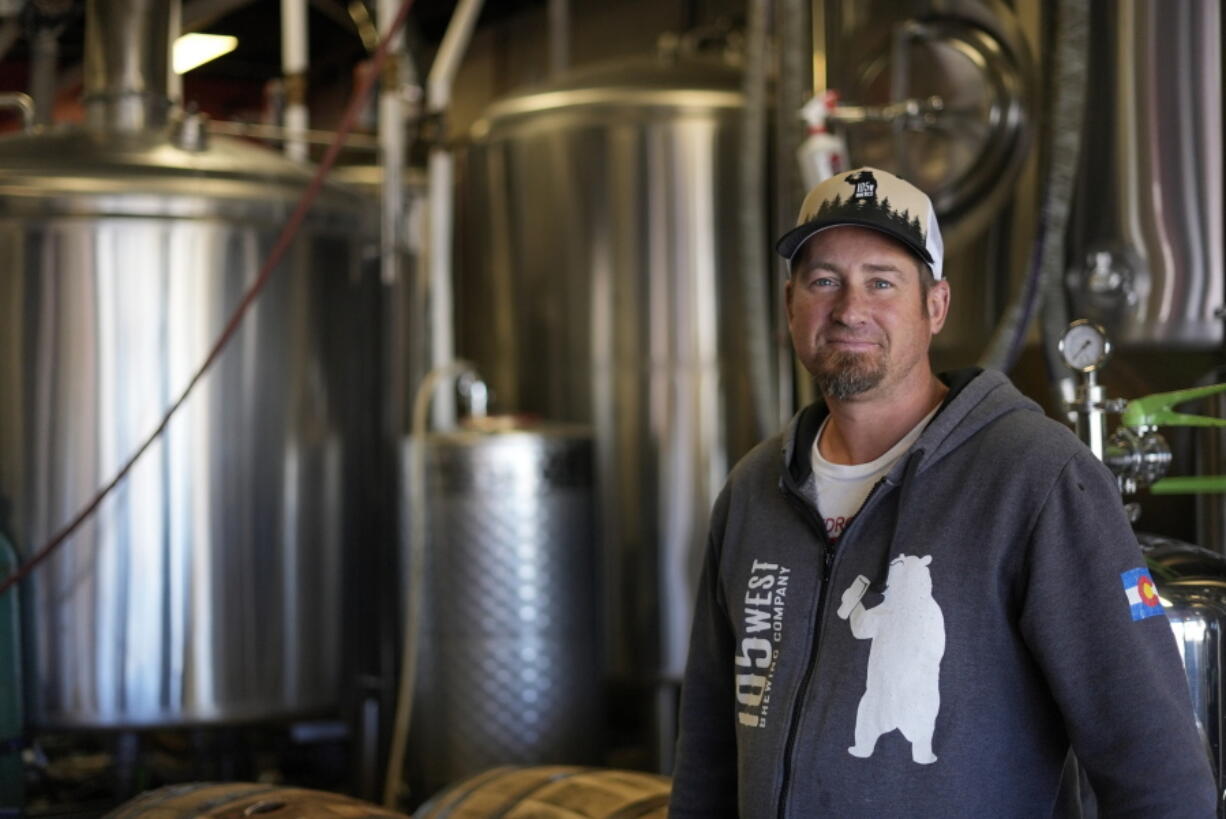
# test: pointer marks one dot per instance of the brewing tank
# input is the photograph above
(208, 587)
(599, 245)
(509, 656)
(1145, 242)
(1192, 586)
(969, 156)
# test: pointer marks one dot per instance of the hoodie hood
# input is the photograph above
(976, 399)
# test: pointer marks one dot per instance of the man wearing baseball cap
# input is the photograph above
(924, 592)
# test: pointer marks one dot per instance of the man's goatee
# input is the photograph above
(842, 375)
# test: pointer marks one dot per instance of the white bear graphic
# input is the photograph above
(907, 628)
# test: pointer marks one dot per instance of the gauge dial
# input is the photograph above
(1084, 346)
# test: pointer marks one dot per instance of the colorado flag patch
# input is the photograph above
(1142, 596)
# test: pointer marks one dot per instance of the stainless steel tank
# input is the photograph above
(598, 233)
(1192, 586)
(1145, 243)
(968, 155)
(509, 656)
(208, 587)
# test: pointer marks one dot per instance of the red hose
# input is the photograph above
(356, 101)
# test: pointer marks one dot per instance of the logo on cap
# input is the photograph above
(864, 185)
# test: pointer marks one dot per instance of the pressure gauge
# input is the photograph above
(1084, 346)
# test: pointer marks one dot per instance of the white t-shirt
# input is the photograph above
(842, 489)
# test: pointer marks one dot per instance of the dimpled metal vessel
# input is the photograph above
(508, 664)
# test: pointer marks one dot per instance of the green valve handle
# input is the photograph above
(1189, 485)
(1156, 411)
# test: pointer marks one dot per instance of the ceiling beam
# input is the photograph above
(198, 14)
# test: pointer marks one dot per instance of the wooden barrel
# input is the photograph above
(552, 792)
(246, 800)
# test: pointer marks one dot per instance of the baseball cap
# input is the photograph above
(871, 198)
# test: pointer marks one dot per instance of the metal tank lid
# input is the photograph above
(78, 172)
(1174, 560)
(369, 178)
(645, 81)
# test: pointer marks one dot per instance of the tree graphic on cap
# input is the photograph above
(863, 207)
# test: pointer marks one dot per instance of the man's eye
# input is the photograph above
(823, 281)
(882, 284)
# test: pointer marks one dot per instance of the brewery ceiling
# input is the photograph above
(335, 45)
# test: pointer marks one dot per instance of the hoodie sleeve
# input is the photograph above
(1118, 682)
(704, 781)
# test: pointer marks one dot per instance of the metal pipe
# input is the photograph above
(415, 570)
(474, 390)
(23, 103)
(912, 114)
(1044, 283)
(9, 32)
(392, 147)
(280, 133)
(447, 62)
(795, 85)
(127, 64)
(174, 80)
(900, 76)
(294, 45)
(44, 62)
(559, 36)
(360, 17)
(755, 264)
(1091, 415)
(441, 180)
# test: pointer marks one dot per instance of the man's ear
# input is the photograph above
(938, 305)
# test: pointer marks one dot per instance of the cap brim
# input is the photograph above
(790, 242)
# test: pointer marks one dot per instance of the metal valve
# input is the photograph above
(1137, 455)
(1085, 349)
(1138, 458)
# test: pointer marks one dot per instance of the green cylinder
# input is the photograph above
(11, 729)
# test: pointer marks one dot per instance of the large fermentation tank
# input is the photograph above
(509, 659)
(968, 66)
(208, 587)
(1192, 585)
(600, 260)
(1146, 241)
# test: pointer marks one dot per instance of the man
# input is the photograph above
(917, 599)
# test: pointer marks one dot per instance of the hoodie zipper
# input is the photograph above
(830, 554)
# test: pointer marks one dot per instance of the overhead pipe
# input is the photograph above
(174, 81)
(393, 145)
(294, 47)
(441, 175)
(127, 64)
(365, 27)
(559, 36)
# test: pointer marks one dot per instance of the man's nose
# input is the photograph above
(849, 306)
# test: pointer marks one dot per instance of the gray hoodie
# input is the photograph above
(977, 617)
